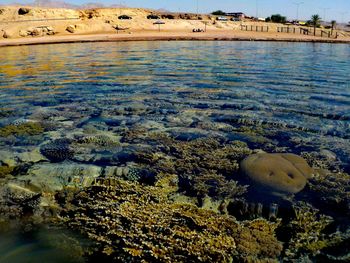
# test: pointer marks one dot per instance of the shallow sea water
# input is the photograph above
(304, 87)
(278, 97)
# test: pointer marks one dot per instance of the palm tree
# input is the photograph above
(334, 24)
(315, 21)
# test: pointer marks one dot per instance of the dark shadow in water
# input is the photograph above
(40, 245)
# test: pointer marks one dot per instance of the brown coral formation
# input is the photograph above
(306, 230)
(285, 173)
(132, 223)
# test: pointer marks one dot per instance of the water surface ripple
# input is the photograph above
(298, 90)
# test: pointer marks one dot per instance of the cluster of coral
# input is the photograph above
(178, 200)
(131, 222)
(156, 182)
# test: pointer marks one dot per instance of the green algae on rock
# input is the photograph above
(5, 170)
(24, 129)
(283, 173)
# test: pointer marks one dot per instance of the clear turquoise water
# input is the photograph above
(279, 97)
(299, 92)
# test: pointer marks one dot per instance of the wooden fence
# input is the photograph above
(304, 31)
(255, 28)
(290, 30)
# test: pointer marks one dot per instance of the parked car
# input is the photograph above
(221, 18)
(124, 17)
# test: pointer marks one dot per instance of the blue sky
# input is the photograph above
(334, 8)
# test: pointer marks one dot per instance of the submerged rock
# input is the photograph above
(281, 173)
(54, 177)
(33, 156)
(7, 158)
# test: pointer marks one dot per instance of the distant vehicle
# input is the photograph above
(298, 23)
(221, 18)
(235, 19)
(153, 17)
(239, 15)
(124, 17)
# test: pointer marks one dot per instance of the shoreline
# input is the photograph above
(166, 36)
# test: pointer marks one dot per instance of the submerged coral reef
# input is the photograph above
(156, 197)
(219, 169)
(131, 223)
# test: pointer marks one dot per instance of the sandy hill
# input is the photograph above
(27, 21)
(14, 23)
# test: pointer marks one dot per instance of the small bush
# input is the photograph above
(168, 17)
(23, 11)
(153, 17)
(278, 18)
(124, 17)
(218, 13)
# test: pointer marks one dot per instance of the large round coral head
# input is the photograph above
(277, 172)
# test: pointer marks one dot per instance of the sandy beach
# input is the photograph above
(167, 36)
(44, 25)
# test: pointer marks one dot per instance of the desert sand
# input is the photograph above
(49, 25)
